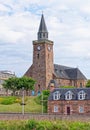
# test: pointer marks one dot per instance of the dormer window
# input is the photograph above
(81, 95)
(56, 95)
(68, 95)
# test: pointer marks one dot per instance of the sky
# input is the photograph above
(68, 24)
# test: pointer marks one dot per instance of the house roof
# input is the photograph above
(6, 74)
(75, 92)
(68, 72)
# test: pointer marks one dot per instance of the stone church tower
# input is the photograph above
(42, 68)
(44, 71)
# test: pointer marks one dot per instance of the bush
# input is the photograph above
(31, 124)
(38, 99)
(8, 100)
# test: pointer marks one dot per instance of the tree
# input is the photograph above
(11, 84)
(26, 83)
(15, 84)
(88, 83)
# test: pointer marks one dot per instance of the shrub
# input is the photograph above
(18, 100)
(8, 100)
(31, 124)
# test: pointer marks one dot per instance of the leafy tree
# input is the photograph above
(26, 82)
(88, 83)
(11, 84)
(15, 84)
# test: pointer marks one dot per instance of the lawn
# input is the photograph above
(31, 106)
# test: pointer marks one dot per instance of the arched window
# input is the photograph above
(68, 95)
(56, 95)
(81, 95)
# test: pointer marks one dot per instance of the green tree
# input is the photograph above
(88, 83)
(11, 84)
(15, 84)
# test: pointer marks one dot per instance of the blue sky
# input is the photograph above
(68, 23)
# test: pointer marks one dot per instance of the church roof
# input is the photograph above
(68, 72)
(42, 27)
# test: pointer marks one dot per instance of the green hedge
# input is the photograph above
(9, 100)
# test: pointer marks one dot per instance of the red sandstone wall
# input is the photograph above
(73, 104)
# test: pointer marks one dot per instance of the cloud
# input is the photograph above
(68, 23)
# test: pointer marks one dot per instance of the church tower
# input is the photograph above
(42, 57)
(42, 68)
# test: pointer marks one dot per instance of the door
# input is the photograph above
(68, 110)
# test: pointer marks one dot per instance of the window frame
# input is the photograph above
(56, 108)
(68, 95)
(81, 109)
(81, 95)
(56, 95)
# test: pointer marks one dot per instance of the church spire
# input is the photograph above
(42, 32)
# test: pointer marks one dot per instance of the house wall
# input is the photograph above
(73, 104)
(5, 76)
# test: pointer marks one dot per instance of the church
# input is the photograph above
(43, 69)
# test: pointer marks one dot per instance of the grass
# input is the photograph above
(43, 125)
(31, 106)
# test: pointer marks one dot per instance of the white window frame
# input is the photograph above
(81, 109)
(55, 108)
(68, 95)
(81, 95)
(56, 95)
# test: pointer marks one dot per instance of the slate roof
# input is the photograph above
(75, 92)
(65, 72)
(42, 27)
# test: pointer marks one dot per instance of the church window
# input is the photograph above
(68, 95)
(81, 95)
(56, 95)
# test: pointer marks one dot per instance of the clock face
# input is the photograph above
(38, 48)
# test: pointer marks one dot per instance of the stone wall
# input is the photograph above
(67, 82)
(44, 117)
